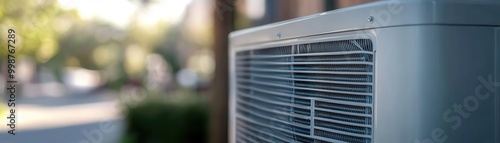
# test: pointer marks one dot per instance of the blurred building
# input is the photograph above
(252, 13)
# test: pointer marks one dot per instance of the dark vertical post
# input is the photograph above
(330, 5)
(223, 17)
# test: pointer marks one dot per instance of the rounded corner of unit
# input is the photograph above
(233, 34)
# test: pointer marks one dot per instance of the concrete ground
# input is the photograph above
(67, 119)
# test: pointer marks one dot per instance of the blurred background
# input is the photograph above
(128, 71)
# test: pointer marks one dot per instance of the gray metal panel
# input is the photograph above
(422, 72)
(385, 13)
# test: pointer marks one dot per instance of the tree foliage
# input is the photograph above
(37, 24)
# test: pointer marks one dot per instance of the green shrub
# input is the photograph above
(158, 121)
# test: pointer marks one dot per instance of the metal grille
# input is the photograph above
(314, 92)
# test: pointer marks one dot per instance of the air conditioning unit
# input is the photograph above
(410, 71)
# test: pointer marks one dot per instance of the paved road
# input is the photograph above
(86, 133)
(70, 119)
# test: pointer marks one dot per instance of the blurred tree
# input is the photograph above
(78, 44)
(142, 40)
(35, 23)
(165, 48)
(89, 44)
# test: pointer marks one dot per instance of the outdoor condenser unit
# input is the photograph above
(409, 71)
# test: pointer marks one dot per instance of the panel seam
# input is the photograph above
(497, 79)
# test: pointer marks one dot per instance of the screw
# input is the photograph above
(278, 35)
(370, 19)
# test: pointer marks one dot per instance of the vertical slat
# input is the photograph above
(293, 84)
(312, 116)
